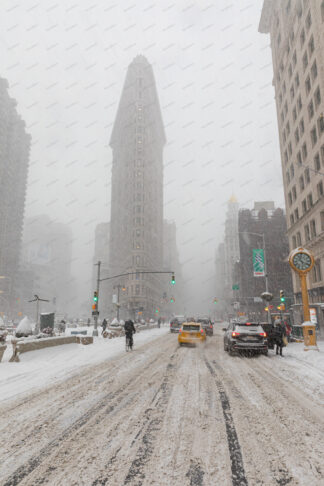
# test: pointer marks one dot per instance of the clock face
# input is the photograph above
(302, 261)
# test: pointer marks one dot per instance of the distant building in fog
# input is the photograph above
(136, 227)
(297, 43)
(231, 247)
(101, 251)
(14, 160)
(265, 220)
(220, 296)
(47, 256)
(226, 256)
(171, 262)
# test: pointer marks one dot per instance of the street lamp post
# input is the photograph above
(261, 235)
(37, 300)
(96, 311)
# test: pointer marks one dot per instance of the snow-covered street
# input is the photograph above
(164, 415)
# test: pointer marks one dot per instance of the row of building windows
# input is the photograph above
(307, 203)
(310, 231)
(290, 174)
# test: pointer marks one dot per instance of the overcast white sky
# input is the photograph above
(66, 62)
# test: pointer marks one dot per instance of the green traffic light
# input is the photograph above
(282, 299)
(173, 279)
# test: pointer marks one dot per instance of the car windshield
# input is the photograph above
(191, 327)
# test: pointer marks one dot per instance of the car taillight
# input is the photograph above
(202, 331)
(248, 323)
(234, 334)
(211, 327)
(263, 334)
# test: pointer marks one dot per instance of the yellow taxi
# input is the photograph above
(191, 333)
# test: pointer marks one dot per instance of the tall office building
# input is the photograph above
(173, 299)
(47, 256)
(14, 160)
(296, 30)
(136, 227)
(264, 220)
(231, 247)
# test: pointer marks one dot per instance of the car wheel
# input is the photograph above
(225, 347)
(265, 352)
(231, 352)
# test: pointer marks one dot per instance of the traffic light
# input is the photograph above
(282, 296)
(266, 309)
(157, 311)
(95, 296)
(173, 279)
(94, 307)
(172, 300)
(215, 301)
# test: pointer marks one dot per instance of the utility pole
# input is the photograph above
(266, 275)
(96, 312)
(37, 300)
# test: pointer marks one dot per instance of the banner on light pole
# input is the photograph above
(258, 262)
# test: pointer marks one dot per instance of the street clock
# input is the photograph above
(301, 260)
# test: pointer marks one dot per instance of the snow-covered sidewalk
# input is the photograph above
(44, 367)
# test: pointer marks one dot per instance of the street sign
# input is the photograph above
(258, 262)
(114, 299)
(313, 316)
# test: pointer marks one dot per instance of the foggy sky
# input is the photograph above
(66, 63)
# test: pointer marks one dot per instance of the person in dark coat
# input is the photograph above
(279, 333)
(129, 331)
(104, 326)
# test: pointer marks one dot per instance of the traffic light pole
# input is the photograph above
(124, 275)
(95, 329)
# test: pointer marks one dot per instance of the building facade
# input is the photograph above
(231, 247)
(136, 227)
(296, 31)
(14, 161)
(263, 225)
(47, 256)
(172, 302)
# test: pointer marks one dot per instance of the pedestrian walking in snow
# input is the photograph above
(104, 326)
(279, 335)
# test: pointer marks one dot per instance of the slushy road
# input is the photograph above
(164, 415)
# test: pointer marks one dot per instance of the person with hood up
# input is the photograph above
(279, 334)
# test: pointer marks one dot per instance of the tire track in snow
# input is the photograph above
(237, 466)
(136, 473)
(105, 403)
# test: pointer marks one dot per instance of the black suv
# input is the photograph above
(176, 323)
(207, 325)
(245, 336)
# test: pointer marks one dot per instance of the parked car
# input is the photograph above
(245, 336)
(207, 325)
(191, 333)
(176, 323)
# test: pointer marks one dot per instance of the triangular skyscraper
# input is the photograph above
(136, 236)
